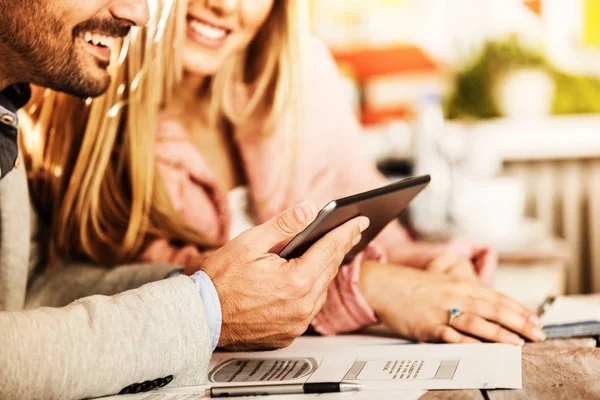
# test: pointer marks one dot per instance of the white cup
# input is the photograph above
(490, 210)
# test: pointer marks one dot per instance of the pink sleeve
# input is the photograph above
(192, 193)
(345, 309)
(162, 250)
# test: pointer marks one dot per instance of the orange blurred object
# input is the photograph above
(376, 62)
(371, 117)
(534, 5)
(392, 80)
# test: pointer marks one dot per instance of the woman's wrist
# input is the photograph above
(381, 284)
(372, 274)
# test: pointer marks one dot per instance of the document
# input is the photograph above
(389, 366)
(386, 367)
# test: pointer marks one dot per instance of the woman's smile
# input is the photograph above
(206, 33)
(218, 30)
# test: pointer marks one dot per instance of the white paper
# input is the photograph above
(508, 375)
(376, 367)
(388, 367)
(572, 309)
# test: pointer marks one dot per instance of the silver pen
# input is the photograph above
(266, 390)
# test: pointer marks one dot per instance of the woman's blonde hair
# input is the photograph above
(91, 163)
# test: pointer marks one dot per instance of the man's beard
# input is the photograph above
(49, 50)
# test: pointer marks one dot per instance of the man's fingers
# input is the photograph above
(280, 228)
(319, 305)
(327, 254)
(327, 276)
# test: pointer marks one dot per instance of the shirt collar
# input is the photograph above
(18, 95)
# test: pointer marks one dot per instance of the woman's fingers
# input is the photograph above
(475, 325)
(452, 265)
(448, 334)
(499, 308)
(486, 263)
(502, 301)
(507, 317)
(442, 263)
(464, 270)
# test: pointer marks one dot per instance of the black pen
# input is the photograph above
(546, 305)
(266, 390)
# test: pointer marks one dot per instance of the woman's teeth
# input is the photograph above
(209, 31)
(99, 40)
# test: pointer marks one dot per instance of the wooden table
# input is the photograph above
(562, 369)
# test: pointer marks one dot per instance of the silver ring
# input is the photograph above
(454, 313)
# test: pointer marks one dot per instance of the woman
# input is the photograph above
(258, 123)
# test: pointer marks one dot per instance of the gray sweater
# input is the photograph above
(82, 331)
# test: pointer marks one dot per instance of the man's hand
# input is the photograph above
(267, 301)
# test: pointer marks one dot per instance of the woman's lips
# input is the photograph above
(205, 33)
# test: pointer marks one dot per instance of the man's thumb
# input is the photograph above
(285, 226)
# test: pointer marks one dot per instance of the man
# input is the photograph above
(162, 332)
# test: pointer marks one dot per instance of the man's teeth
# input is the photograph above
(211, 32)
(99, 40)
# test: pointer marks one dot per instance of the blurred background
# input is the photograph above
(499, 100)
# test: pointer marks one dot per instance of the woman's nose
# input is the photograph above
(222, 7)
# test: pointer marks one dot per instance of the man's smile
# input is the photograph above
(99, 44)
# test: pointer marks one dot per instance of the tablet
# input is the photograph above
(381, 206)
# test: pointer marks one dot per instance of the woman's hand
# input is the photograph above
(454, 266)
(420, 254)
(416, 304)
(484, 259)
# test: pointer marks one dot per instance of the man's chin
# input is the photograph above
(92, 78)
(98, 88)
(88, 86)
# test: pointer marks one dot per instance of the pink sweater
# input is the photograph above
(330, 164)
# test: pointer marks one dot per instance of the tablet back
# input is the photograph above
(382, 206)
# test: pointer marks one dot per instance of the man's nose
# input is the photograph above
(135, 12)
